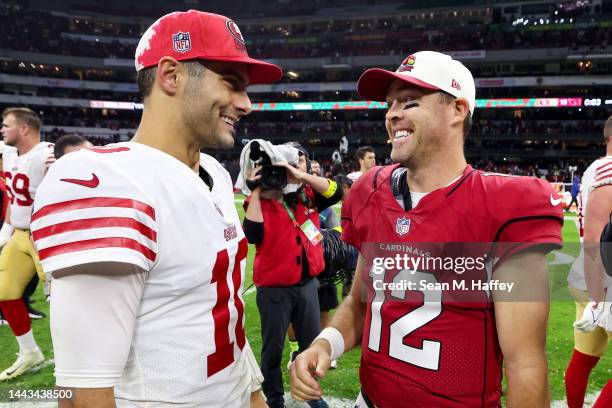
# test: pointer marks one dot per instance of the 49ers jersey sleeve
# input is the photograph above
(87, 211)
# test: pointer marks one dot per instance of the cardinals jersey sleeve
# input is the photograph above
(88, 211)
(525, 211)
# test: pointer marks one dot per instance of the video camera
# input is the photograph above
(272, 177)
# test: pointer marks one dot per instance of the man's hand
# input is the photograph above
(590, 317)
(294, 175)
(307, 368)
(253, 179)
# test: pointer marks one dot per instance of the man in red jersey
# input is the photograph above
(440, 347)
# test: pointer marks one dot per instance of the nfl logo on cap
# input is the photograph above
(402, 226)
(181, 42)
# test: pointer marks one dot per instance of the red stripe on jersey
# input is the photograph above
(114, 242)
(606, 165)
(104, 149)
(105, 222)
(94, 202)
(604, 174)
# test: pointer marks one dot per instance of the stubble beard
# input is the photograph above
(203, 123)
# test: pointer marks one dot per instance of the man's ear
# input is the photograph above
(169, 74)
(462, 109)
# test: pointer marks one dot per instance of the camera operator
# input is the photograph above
(284, 226)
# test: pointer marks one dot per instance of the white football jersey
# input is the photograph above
(354, 176)
(131, 203)
(599, 173)
(23, 176)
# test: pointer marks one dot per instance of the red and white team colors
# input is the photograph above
(23, 176)
(598, 174)
(425, 351)
(134, 204)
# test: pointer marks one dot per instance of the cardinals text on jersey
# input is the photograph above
(134, 204)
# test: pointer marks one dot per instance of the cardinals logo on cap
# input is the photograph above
(235, 31)
(181, 42)
(407, 64)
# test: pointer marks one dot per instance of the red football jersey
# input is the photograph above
(427, 350)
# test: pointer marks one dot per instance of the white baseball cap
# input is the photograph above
(425, 69)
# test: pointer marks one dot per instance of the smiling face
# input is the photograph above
(214, 102)
(417, 123)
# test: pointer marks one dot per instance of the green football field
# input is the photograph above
(343, 382)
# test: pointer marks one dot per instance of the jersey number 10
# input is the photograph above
(224, 348)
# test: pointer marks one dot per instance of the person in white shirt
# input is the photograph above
(143, 239)
(367, 159)
(587, 281)
(25, 164)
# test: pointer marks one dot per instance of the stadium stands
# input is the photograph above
(74, 66)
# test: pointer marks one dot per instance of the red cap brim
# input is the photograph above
(374, 82)
(260, 72)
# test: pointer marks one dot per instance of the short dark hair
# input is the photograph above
(447, 98)
(361, 152)
(65, 141)
(146, 77)
(24, 115)
(342, 180)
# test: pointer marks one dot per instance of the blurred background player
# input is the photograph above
(24, 166)
(590, 338)
(70, 143)
(367, 159)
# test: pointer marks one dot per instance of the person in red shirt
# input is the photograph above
(430, 343)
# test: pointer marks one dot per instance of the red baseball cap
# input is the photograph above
(195, 34)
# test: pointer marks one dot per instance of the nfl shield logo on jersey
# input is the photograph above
(402, 226)
(181, 42)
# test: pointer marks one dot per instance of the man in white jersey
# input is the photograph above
(587, 281)
(143, 239)
(24, 166)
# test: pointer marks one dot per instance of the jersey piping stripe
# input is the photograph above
(114, 242)
(105, 222)
(606, 165)
(604, 174)
(94, 202)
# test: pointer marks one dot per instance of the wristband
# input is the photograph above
(331, 190)
(335, 340)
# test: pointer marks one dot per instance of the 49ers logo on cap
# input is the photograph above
(181, 42)
(235, 31)
(407, 64)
